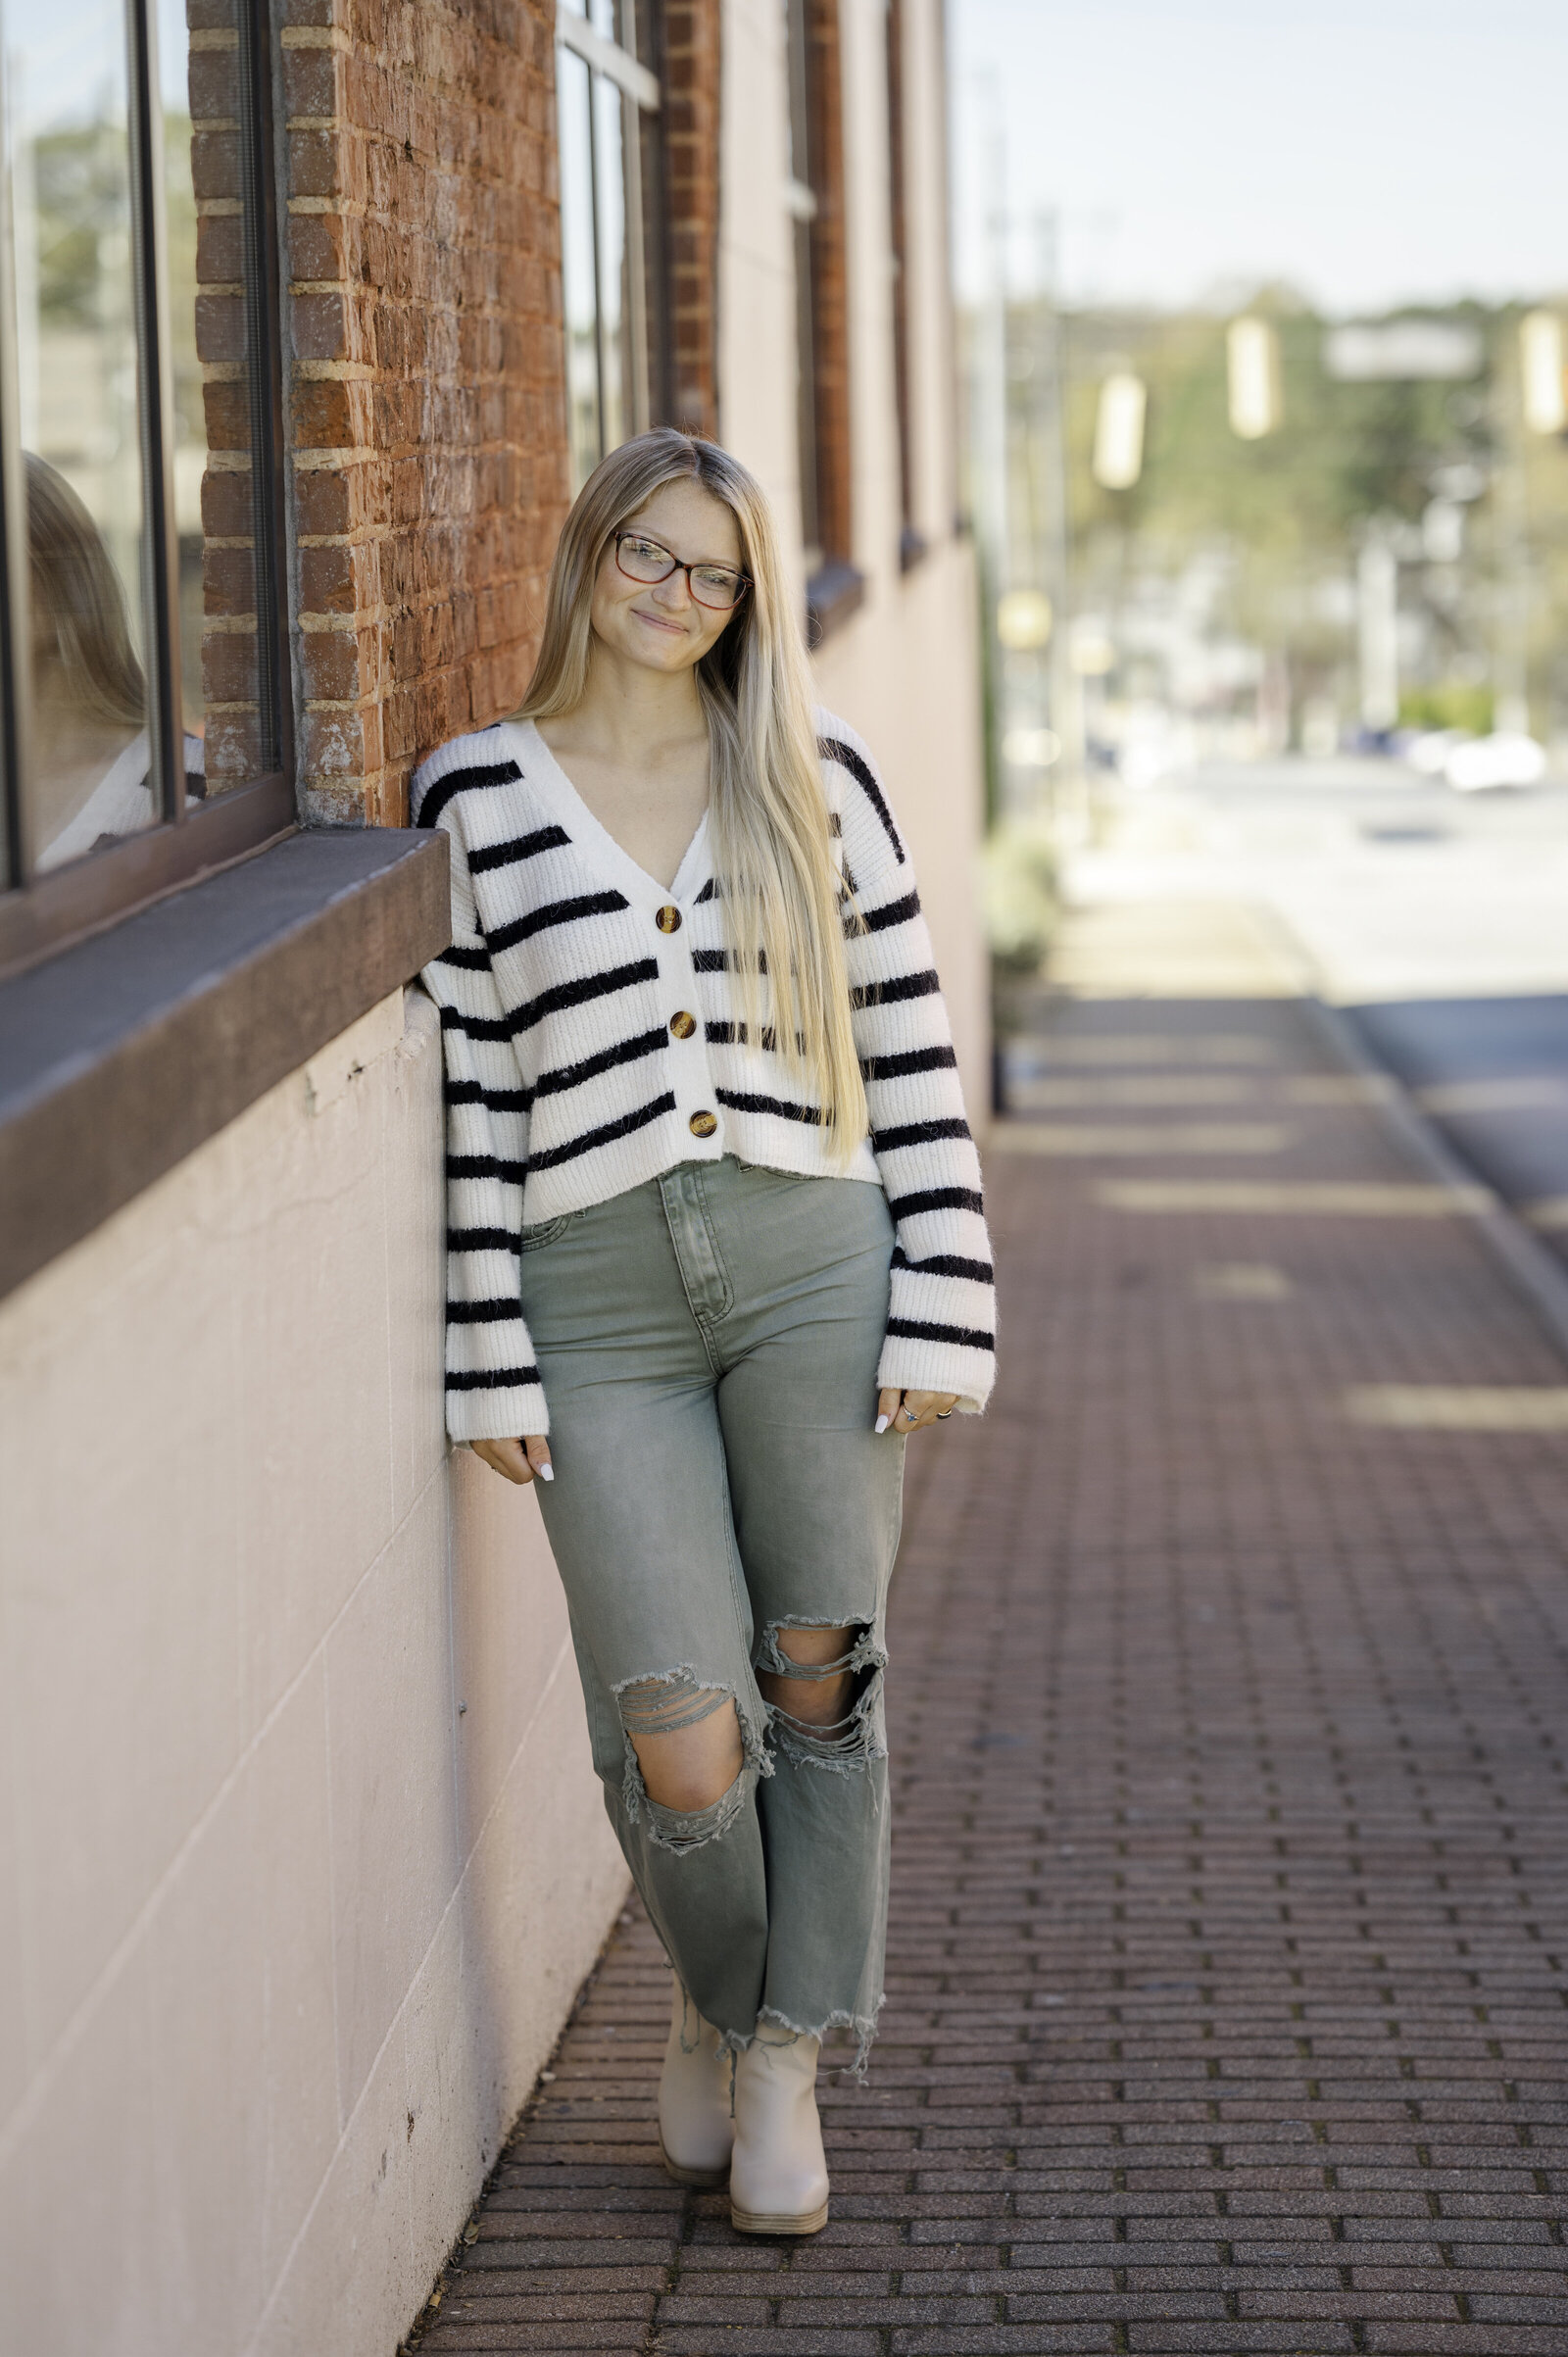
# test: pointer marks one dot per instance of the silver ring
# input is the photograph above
(909, 1413)
(943, 1413)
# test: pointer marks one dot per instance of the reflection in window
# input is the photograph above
(579, 275)
(601, 90)
(78, 414)
(136, 403)
(615, 363)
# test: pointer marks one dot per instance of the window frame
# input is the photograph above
(620, 63)
(42, 913)
(911, 540)
(815, 198)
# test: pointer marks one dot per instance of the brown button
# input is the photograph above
(668, 918)
(683, 1024)
(703, 1125)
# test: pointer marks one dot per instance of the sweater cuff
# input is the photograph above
(917, 1363)
(504, 1403)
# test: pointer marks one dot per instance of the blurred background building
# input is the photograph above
(315, 317)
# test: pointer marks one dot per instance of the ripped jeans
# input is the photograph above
(709, 1344)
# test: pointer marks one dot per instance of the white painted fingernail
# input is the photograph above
(883, 1422)
(546, 1473)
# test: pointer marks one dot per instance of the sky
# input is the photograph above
(1370, 152)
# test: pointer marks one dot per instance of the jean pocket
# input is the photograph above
(533, 1240)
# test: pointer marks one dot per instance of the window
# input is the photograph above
(815, 197)
(911, 546)
(604, 93)
(142, 655)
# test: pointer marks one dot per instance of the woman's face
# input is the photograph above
(659, 624)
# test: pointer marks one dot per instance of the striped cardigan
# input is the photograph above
(592, 1041)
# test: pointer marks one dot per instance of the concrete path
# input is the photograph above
(1227, 2002)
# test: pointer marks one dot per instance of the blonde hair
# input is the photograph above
(77, 592)
(774, 857)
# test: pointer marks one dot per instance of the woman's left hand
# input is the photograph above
(912, 1411)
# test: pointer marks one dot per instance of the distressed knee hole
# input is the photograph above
(822, 1685)
(667, 1704)
(686, 1753)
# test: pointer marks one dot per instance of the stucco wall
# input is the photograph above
(301, 1857)
(901, 672)
(904, 668)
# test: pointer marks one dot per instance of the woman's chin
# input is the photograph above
(659, 650)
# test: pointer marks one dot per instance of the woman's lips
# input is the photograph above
(655, 622)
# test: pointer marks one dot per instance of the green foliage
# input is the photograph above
(1020, 892)
(1452, 703)
(81, 190)
(1344, 452)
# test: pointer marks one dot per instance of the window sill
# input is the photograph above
(834, 592)
(122, 1055)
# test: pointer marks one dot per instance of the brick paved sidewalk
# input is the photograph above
(1226, 1993)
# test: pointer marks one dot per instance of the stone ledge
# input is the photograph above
(120, 1055)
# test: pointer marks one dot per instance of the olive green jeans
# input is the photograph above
(709, 1346)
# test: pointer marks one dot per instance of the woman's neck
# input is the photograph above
(636, 751)
(629, 713)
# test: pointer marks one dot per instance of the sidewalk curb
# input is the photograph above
(1535, 1272)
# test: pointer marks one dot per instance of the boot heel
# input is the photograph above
(704, 2181)
(778, 2175)
(751, 2222)
(695, 2128)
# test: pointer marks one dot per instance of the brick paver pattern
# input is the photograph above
(1226, 1995)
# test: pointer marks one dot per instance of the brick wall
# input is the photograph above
(691, 68)
(424, 391)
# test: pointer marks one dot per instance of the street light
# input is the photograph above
(1253, 369)
(1118, 458)
(1540, 372)
(1024, 620)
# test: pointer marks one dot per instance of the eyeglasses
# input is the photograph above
(716, 586)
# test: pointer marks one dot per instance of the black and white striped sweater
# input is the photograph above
(592, 1041)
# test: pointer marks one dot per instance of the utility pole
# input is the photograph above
(1377, 580)
(1512, 591)
(1065, 700)
(993, 503)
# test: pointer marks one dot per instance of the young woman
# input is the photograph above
(717, 1230)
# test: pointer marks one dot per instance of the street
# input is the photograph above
(1436, 919)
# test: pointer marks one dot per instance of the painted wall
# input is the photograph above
(904, 668)
(301, 1857)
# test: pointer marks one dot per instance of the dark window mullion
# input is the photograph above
(155, 382)
(599, 260)
(16, 849)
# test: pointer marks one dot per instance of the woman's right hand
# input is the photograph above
(518, 1460)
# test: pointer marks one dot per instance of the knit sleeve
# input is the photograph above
(492, 1387)
(940, 1334)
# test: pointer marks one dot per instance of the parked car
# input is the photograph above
(1507, 758)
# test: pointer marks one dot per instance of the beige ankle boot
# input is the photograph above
(694, 2127)
(778, 2175)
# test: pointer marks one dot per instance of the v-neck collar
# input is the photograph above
(538, 764)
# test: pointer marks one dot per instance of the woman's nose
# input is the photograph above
(674, 592)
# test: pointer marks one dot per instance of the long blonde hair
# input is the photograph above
(774, 857)
(77, 592)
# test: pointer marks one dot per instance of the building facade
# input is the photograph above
(316, 315)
